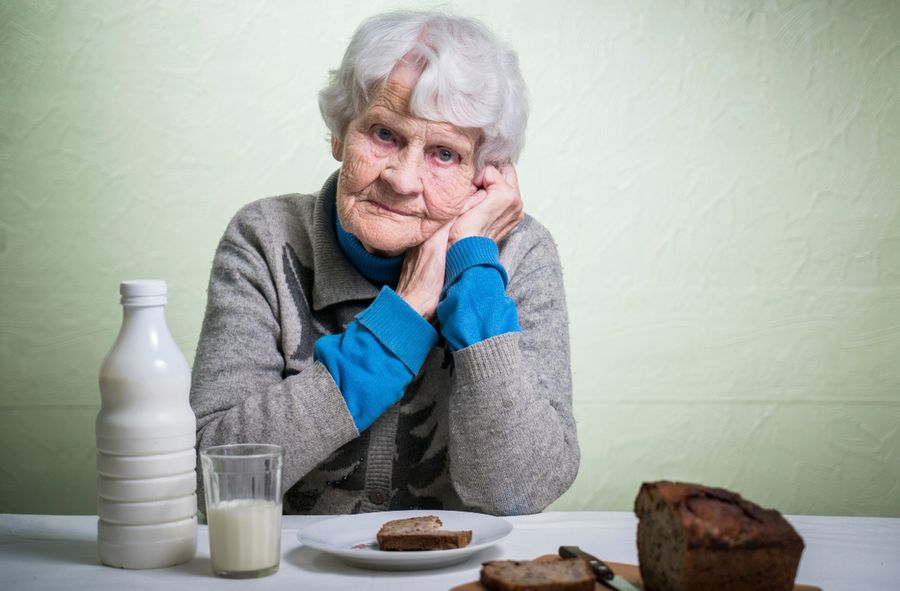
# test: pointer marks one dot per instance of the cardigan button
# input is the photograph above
(378, 496)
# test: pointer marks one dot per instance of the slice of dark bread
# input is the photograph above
(698, 538)
(420, 533)
(565, 574)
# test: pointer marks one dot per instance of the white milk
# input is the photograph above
(244, 535)
(146, 432)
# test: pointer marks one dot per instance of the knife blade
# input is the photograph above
(603, 574)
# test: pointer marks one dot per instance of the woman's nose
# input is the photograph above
(404, 173)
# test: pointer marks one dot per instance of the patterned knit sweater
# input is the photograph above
(487, 428)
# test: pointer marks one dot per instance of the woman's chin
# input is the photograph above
(383, 246)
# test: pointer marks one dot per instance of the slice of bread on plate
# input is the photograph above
(565, 574)
(420, 533)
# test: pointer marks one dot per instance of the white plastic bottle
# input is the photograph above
(146, 477)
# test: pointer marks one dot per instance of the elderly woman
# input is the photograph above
(374, 329)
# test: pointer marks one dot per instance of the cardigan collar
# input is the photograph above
(336, 278)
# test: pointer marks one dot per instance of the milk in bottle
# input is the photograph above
(146, 479)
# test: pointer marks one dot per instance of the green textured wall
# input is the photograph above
(722, 177)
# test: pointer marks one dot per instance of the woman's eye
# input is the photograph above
(445, 155)
(384, 134)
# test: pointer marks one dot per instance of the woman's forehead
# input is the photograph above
(392, 101)
(396, 91)
(399, 118)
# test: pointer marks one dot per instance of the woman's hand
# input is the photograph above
(495, 209)
(422, 277)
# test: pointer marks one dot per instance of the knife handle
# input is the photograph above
(601, 570)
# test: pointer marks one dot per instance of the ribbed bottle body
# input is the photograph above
(145, 433)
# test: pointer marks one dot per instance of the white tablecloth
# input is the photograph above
(60, 552)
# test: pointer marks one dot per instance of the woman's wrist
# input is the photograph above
(423, 302)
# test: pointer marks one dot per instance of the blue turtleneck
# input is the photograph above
(384, 347)
(383, 271)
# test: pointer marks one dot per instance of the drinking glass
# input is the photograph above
(242, 484)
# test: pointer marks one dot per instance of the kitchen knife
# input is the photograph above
(603, 574)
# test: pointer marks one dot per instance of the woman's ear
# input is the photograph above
(337, 149)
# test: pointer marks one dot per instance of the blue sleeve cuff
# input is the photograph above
(476, 308)
(474, 305)
(471, 252)
(399, 328)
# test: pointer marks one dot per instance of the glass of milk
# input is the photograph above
(242, 484)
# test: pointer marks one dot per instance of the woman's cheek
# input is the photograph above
(456, 191)
(442, 210)
(361, 164)
(345, 214)
(354, 174)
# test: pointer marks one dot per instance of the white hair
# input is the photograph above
(470, 79)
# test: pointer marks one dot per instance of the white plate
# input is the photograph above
(352, 538)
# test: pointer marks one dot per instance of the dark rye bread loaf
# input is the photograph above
(566, 574)
(420, 533)
(696, 538)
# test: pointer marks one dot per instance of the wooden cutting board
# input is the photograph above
(629, 572)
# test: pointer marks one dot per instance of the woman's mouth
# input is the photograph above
(383, 207)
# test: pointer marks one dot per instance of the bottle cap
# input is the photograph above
(143, 292)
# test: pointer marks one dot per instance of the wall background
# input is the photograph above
(722, 177)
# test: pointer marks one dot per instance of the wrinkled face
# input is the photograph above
(401, 177)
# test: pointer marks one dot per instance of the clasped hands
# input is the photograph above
(492, 211)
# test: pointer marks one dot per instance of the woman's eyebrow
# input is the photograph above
(452, 139)
(388, 116)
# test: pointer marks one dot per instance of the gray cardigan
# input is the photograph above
(488, 428)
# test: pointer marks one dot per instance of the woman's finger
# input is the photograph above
(473, 200)
(478, 181)
(490, 176)
(508, 170)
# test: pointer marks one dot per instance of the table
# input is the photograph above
(60, 552)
